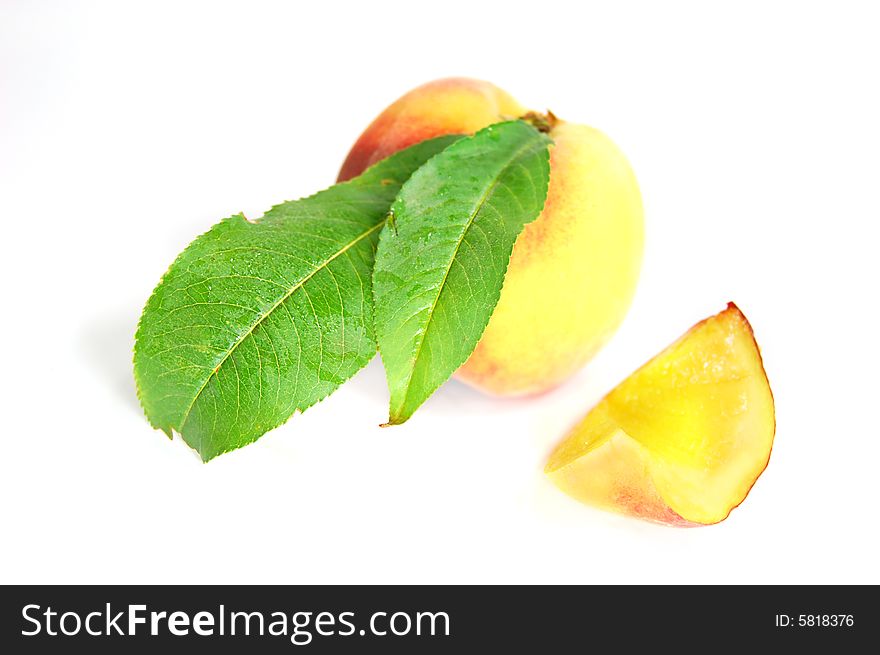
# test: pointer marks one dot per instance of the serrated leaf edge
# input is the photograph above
(170, 430)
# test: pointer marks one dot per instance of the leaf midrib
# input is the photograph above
(481, 202)
(269, 312)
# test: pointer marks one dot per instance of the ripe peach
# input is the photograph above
(683, 439)
(573, 271)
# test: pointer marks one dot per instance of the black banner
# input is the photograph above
(417, 619)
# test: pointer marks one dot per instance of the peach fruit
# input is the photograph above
(573, 271)
(684, 438)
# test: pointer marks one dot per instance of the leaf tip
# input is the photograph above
(394, 420)
(206, 455)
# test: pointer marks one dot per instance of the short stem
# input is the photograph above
(541, 122)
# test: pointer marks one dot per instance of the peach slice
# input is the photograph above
(684, 438)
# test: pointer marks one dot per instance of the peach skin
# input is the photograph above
(684, 438)
(573, 271)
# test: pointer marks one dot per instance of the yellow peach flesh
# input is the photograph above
(684, 438)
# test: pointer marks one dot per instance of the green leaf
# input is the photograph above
(440, 268)
(256, 320)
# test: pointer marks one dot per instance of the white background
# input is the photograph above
(126, 129)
